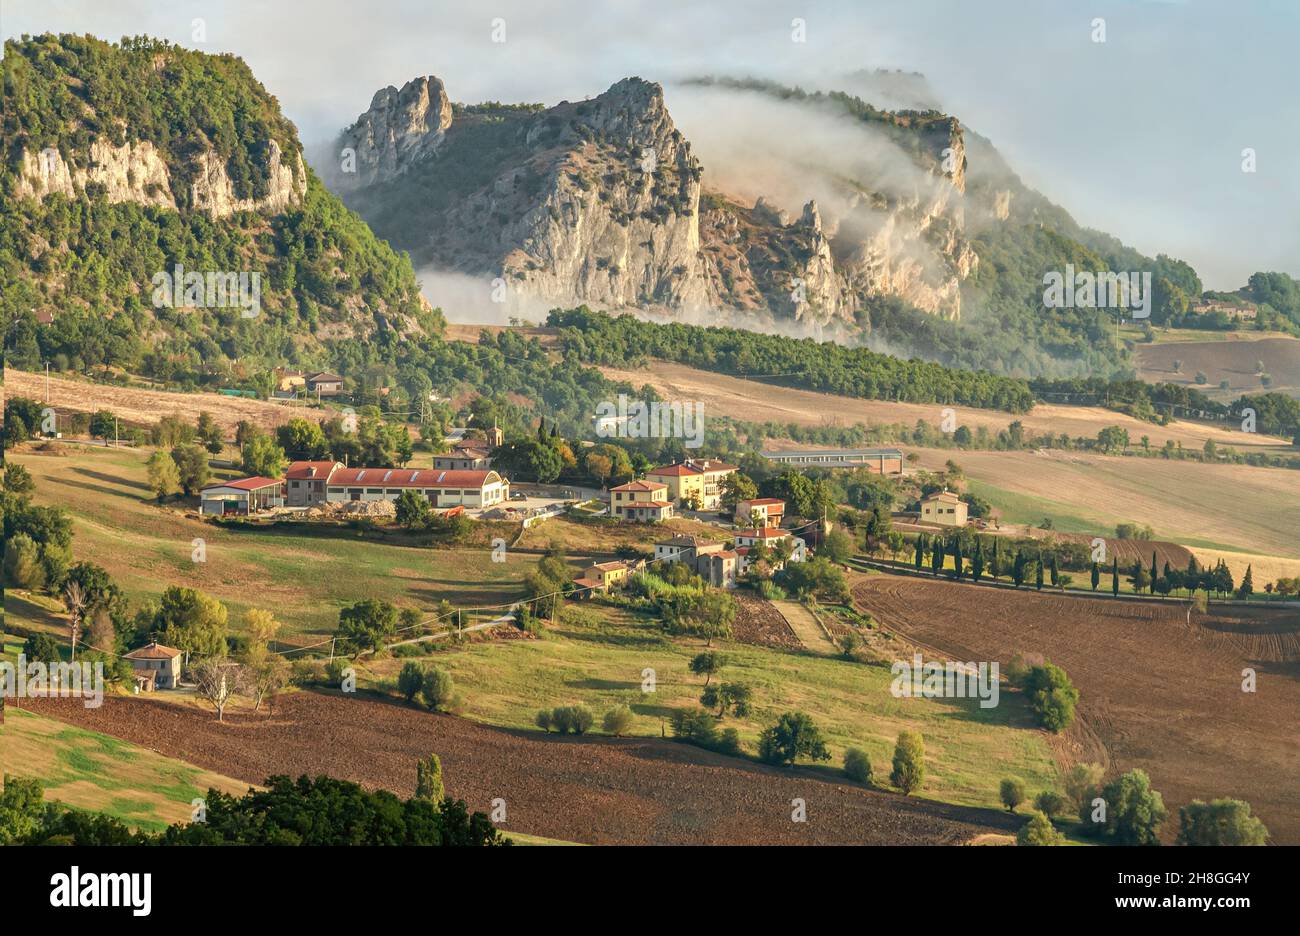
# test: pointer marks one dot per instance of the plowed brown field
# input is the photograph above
(1155, 693)
(583, 789)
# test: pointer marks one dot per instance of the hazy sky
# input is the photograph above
(1140, 135)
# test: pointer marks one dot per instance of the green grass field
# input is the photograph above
(93, 771)
(597, 656)
(304, 579)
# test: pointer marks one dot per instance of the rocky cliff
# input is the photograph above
(600, 202)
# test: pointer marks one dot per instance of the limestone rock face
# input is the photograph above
(132, 172)
(600, 201)
(400, 128)
(136, 172)
(212, 191)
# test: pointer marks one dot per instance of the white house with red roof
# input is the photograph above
(241, 496)
(306, 481)
(443, 488)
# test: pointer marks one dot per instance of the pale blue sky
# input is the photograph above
(1140, 136)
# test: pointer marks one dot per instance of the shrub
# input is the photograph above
(1082, 785)
(1039, 831)
(1050, 803)
(41, 648)
(1220, 822)
(909, 762)
(428, 778)
(436, 690)
(695, 726)
(543, 721)
(1012, 793)
(572, 719)
(857, 766)
(729, 743)
(618, 720)
(335, 670)
(410, 681)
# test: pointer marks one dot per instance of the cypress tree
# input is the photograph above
(1096, 575)
(1038, 573)
(1114, 577)
(977, 561)
(920, 549)
(1154, 573)
(428, 778)
(995, 567)
(936, 555)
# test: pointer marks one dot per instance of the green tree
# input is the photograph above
(793, 736)
(192, 468)
(188, 620)
(1134, 811)
(1220, 822)
(1095, 576)
(410, 680)
(164, 477)
(1012, 792)
(367, 623)
(437, 689)
(1114, 577)
(413, 510)
(262, 457)
(1247, 586)
(1051, 695)
(707, 664)
(909, 762)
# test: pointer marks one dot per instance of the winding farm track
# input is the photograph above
(585, 789)
(1155, 692)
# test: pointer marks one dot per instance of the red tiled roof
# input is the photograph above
(764, 501)
(587, 583)
(695, 468)
(153, 651)
(609, 566)
(305, 470)
(640, 486)
(245, 484)
(413, 477)
(765, 533)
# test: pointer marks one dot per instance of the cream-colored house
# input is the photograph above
(694, 480)
(943, 507)
(641, 502)
(155, 666)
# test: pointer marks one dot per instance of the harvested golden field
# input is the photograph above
(761, 402)
(1216, 506)
(1263, 568)
(144, 407)
(1235, 361)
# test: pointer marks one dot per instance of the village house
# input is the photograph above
(467, 457)
(470, 489)
(288, 384)
(640, 502)
(720, 569)
(155, 667)
(943, 507)
(693, 481)
(306, 482)
(883, 461)
(684, 548)
(770, 537)
(768, 511)
(324, 384)
(243, 496)
(602, 576)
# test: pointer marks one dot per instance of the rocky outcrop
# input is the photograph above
(399, 129)
(136, 172)
(599, 201)
(132, 172)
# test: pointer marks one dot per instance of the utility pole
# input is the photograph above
(47, 382)
(332, 639)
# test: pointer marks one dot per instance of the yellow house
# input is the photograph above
(643, 501)
(692, 481)
(608, 574)
(943, 507)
